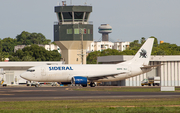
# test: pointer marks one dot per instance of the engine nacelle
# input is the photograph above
(79, 80)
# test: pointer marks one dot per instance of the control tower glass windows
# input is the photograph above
(78, 16)
(67, 16)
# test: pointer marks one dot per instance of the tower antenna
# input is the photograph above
(70, 2)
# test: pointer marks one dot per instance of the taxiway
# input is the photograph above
(62, 93)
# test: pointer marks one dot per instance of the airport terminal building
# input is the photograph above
(11, 71)
(169, 72)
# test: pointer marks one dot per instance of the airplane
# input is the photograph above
(91, 73)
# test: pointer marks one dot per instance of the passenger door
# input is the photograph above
(43, 71)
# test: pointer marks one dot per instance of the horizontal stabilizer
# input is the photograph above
(145, 67)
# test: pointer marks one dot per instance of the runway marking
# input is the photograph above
(30, 90)
(148, 106)
(69, 89)
(172, 105)
(6, 94)
(121, 106)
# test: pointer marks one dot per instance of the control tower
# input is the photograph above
(73, 32)
(105, 29)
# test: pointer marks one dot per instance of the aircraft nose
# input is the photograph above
(23, 75)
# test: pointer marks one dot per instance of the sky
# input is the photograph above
(130, 19)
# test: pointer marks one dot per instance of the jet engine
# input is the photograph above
(79, 80)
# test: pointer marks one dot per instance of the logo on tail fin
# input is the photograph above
(143, 53)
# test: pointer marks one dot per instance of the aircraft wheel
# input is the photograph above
(37, 85)
(84, 85)
(92, 84)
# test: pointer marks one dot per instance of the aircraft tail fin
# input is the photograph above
(144, 53)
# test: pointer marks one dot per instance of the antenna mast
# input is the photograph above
(70, 2)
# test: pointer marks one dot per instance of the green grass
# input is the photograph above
(93, 106)
(121, 89)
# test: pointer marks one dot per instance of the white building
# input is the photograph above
(169, 72)
(49, 47)
(102, 45)
(121, 46)
(12, 70)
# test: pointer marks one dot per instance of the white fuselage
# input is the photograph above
(64, 73)
(93, 73)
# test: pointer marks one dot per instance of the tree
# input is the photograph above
(26, 38)
(23, 38)
(35, 53)
(128, 52)
(8, 44)
(28, 58)
(135, 45)
(109, 52)
(143, 40)
(3, 55)
(155, 41)
(92, 57)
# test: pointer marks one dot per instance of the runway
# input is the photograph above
(66, 93)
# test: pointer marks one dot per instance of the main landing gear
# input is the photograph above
(92, 84)
(84, 85)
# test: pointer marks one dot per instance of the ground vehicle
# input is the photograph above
(3, 83)
(36, 84)
(151, 81)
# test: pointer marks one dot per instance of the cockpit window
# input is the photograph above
(30, 70)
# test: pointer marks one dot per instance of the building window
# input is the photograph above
(88, 31)
(77, 59)
(76, 31)
(69, 31)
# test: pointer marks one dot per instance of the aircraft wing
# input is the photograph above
(104, 76)
(145, 67)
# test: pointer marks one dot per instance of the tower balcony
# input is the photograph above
(73, 22)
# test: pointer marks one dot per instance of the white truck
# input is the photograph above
(151, 81)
